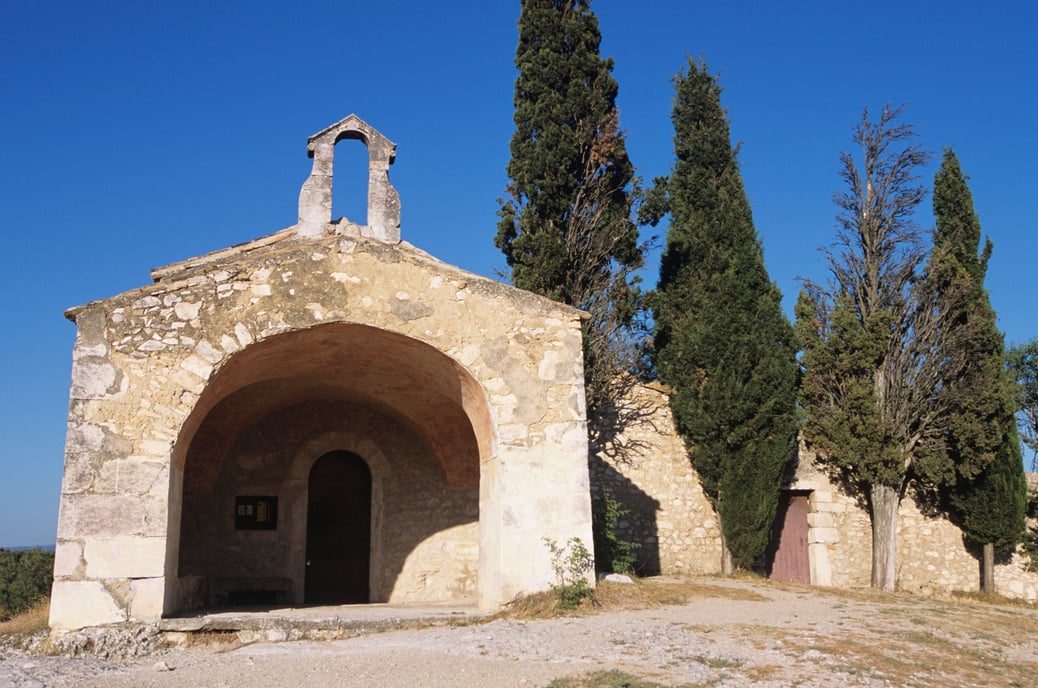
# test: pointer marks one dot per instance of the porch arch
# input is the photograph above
(265, 416)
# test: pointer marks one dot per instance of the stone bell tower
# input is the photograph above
(315, 198)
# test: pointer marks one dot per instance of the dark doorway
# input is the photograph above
(338, 530)
(788, 555)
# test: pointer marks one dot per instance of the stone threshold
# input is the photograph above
(264, 624)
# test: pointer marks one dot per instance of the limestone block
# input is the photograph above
(79, 472)
(821, 568)
(148, 596)
(158, 449)
(824, 535)
(208, 352)
(513, 432)
(92, 515)
(85, 437)
(134, 475)
(78, 604)
(188, 381)
(92, 379)
(243, 334)
(125, 557)
(68, 556)
(198, 366)
(187, 311)
(821, 497)
(548, 370)
(821, 520)
(146, 302)
(229, 344)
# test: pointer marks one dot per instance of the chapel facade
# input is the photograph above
(323, 415)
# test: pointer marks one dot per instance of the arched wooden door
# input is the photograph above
(338, 530)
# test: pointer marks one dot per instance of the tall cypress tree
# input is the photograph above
(566, 225)
(566, 137)
(990, 491)
(721, 339)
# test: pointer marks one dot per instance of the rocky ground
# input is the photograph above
(728, 633)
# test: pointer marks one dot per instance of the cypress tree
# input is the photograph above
(993, 506)
(566, 225)
(566, 137)
(990, 491)
(721, 339)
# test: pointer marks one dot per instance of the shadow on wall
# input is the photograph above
(639, 525)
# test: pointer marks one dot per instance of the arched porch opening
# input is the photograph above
(418, 420)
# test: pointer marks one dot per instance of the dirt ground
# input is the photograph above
(728, 633)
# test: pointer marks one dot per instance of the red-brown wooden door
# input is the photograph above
(789, 559)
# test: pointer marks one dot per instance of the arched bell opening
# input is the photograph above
(243, 485)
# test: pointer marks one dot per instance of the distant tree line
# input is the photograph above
(902, 384)
(25, 579)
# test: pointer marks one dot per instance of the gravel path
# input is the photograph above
(788, 636)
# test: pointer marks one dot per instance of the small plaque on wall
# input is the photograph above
(256, 513)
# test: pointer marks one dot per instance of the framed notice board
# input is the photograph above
(255, 513)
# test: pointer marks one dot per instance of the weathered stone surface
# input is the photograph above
(315, 198)
(104, 515)
(648, 471)
(138, 475)
(147, 602)
(78, 604)
(125, 557)
(68, 559)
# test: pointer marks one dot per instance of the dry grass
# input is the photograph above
(919, 642)
(989, 599)
(603, 679)
(27, 623)
(612, 597)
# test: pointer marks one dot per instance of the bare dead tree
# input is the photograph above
(877, 370)
(615, 334)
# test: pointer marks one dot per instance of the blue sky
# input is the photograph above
(136, 134)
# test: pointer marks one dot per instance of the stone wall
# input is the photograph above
(932, 555)
(647, 469)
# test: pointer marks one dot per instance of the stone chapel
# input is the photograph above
(325, 414)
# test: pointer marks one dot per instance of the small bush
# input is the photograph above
(25, 579)
(571, 565)
(612, 553)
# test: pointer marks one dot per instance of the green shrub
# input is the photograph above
(612, 553)
(571, 565)
(25, 578)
